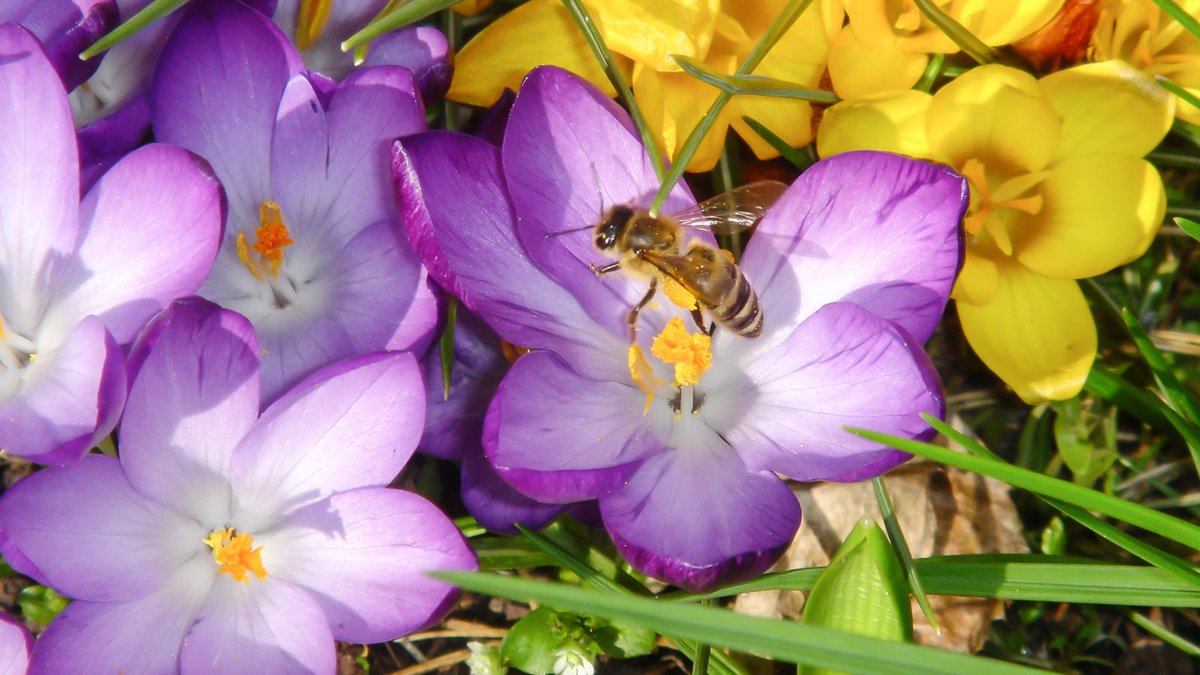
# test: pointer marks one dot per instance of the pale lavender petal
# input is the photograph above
(497, 505)
(423, 50)
(105, 542)
(194, 397)
(697, 517)
(300, 156)
(568, 154)
(294, 346)
(456, 216)
(69, 400)
(352, 424)
(844, 366)
(879, 230)
(105, 141)
(259, 627)
(67, 27)
(365, 556)
(39, 178)
(217, 90)
(15, 643)
(150, 229)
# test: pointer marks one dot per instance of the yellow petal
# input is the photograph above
(994, 114)
(1037, 334)
(978, 279)
(1108, 107)
(896, 25)
(893, 122)
(789, 119)
(1098, 211)
(539, 32)
(648, 31)
(807, 41)
(1000, 22)
(859, 69)
(471, 7)
(672, 104)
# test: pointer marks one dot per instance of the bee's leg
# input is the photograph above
(633, 311)
(698, 318)
(611, 267)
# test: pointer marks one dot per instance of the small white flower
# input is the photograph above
(484, 660)
(572, 662)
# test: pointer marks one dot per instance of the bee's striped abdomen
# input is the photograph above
(739, 311)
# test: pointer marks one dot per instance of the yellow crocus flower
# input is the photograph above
(1059, 192)
(642, 34)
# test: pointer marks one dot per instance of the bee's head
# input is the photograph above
(609, 228)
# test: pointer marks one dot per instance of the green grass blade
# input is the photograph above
(1179, 398)
(509, 553)
(394, 17)
(1133, 400)
(1161, 632)
(446, 347)
(1176, 12)
(903, 554)
(152, 12)
(966, 41)
(1162, 524)
(752, 85)
(1190, 226)
(778, 639)
(793, 156)
(583, 21)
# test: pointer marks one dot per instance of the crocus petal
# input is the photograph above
(81, 639)
(875, 229)
(217, 90)
(553, 419)
(457, 218)
(495, 504)
(569, 154)
(352, 424)
(126, 274)
(364, 555)
(842, 367)
(300, 156)
(672, 103)
(1037, 334)
(697, 517)
(67, 28)
(996, 114)
(423, 50)
(454, 422)
(271, 627)
(15, 643)
(1084, 232)
(87, 546)
(39, 166)
(535, 33)
(1108, 107)
(194, 397)
(71, 398)
(650, 31)
(891, 122)
(858, 69)
(105, 141)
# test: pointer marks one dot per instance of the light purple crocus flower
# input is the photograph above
(65, 28)
(313, 254)
(15, 643)
(78, 278)
(222, 541)
(853, 267)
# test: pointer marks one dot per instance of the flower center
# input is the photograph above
(689, 354)
(990, 197)
(264, 259)
(234, 554)
(310, 21)
(16, 351)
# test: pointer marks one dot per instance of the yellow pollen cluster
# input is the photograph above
(985, 201)
(271, 237)
(690, 354)
(643, 375)
(234, 553)
(677, 294)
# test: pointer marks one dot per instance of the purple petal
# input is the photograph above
(300, 155)
(365, 556)
(150, 231)
(217, 90)
(105, 141)
(39, 178)
(456, 216)
(105, 542)
(67, 28)
(568, 154)
(698, 518)
(352, 424)
(879, 230)
(70, 398)
(194, 397)
(271, 627)
(495, 119)
(423, 50)
(495, 504)
(15, 643)
(843, 366)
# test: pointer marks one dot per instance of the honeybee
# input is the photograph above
(652, 245)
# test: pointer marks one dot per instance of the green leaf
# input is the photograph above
(1133, 400)
(966, 41)
(533, 643)
(394, 16)
(1163, 633)
(1086, 441)
(1054, 537)
(1189, 226)
(623, 640)
(1176, 12)
(508, 553)
(778, 639)
(752, 85)
(862, 591)
(446, 347)
(900, 546)
(41, 604)
(152, 12)
(795, 157)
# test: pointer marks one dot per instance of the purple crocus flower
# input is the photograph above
(853, 266)
(65, 28)
(15, 643)
(313, 254)
(80, 277)
(225, 541)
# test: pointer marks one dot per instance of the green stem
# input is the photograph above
(452, 27)
(966, 41)
(1177, 160)
(703, 649)
(782, 23)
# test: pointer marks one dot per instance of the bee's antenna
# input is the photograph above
(551, 235)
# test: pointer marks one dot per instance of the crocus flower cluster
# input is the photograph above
(852, 267)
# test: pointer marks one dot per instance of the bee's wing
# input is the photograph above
(732, 211)
(699, 271)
